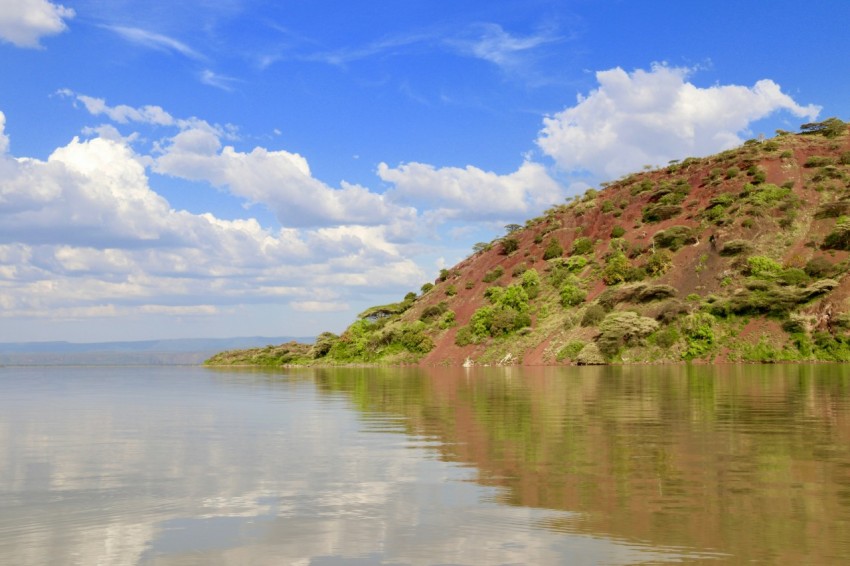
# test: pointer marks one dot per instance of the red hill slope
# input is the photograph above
(740, 256)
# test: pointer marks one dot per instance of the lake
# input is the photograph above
(601, 465)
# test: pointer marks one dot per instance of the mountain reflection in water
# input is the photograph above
(602, 465)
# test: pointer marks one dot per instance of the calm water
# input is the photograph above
(709, 465)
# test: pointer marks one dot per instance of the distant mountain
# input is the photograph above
(741, 256)
(180, 351)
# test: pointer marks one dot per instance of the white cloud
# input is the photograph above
(155, 41)
(222, 82)
(490, 42)
(650, 117)
(279, 179)
(83, 234)
(122, 113)
(472, 193)
(24, 22)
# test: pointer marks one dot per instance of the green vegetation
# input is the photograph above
(553, 249)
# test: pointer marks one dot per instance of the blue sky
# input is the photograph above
(214, 168)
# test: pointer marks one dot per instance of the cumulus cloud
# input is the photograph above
(650, 117)
(472, 193)
(83, 234)
(24, 22)
(278, 179)
(122, 113)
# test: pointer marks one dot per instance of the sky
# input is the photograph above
(220, 168)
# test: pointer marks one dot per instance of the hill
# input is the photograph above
(739, 256)
(180, 351)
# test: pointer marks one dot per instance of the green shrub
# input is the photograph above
(819, 267)
(762, 267)
(593, 315)
(571, 295)
(618, 232)
(698, 329)
(553, 249)
(839, 238)
(818, 161)
(493, 274)
(582, 246)
(732, 172)
(665, 337)
(431, 312)
(427, 287)
(570, 350)
(735, 247)
(793, 276)
(447, 320)
(659, 211)
(444, 274)
(464, 336)
(509, 245)
(607, 206)
(623, 328)
(531, 283)
(590, 356)
(674, 237)
(658, 263)
(616, 268)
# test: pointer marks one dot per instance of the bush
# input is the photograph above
(659, 211)
(531, 283)
(553, 249)
(616, 268)
(493, 274)
(572, 295)
(818, 161)
(570, 351)
(735, 247)
(698, 329)
(819, 267)
(582, 246)
(618, 232)
(666, 337)
(762, 267)
(593, 315)
(793, 276)
(433, 311)
(464, 336)
(624, 328)
(839, 238)
(509, 245)
(658, 263)
(674, 237)
(590, 356)
(732, 172)
(451, 291)
(444, 274)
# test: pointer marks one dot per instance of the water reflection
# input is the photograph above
(753, 461)
(188, 466)
(386, 466)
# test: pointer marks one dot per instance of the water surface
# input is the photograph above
(446, 466)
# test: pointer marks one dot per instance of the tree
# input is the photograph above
(830, 128)
(511, 228)
(480, 247)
